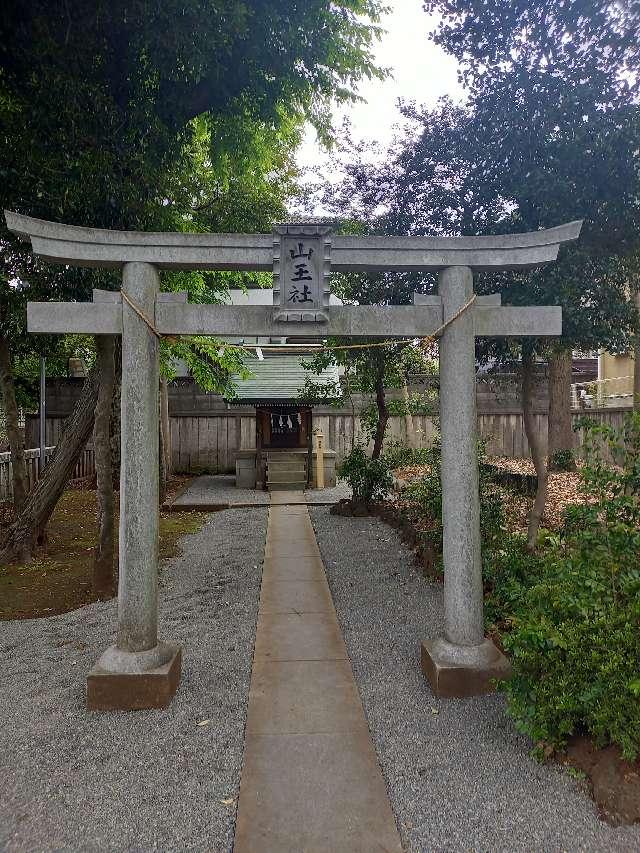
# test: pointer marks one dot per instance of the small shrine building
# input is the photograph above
(284, 456)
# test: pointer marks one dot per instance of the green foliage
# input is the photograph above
(487, 45)
(417, 404)
(172, 116)
(424, 497)
(212, 364)
(26, 367)
(374, 370)
(370, 479)
(398, 454)
(330, 392)
(562, 460)
(549, 132)
(571, 614)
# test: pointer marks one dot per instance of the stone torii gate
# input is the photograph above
(141, 672)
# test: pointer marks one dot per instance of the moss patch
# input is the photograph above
(58, 579)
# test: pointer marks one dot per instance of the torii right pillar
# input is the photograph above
(463, 662)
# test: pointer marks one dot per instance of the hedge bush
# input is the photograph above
(571, 616)
(370, 479)
(424, 499)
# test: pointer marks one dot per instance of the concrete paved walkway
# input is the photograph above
(311, 781)
(208, 493)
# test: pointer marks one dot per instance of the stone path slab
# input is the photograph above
(311, 782)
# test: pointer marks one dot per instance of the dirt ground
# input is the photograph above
(58, 579)
(563, 489)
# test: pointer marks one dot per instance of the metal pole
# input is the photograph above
(43, 415)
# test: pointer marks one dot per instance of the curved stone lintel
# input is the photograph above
(79, 246)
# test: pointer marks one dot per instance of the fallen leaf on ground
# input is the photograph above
(204, 722)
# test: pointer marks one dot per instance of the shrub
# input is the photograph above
(424, 497)
(562, 460)
(398, 454)
(370, 479)
(575, 609)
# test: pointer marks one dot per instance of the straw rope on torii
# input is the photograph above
(139, 670)
(423, 343)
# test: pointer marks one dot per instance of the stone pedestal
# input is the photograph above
(458, 671)
(123, 681)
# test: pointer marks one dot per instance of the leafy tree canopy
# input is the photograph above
(589, 40)
(172, 116)
(549, 132)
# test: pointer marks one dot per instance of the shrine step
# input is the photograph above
(286, 466)
(291, 475)
(287, 487)
(286, 477)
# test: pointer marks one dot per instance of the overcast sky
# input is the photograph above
(421, 72)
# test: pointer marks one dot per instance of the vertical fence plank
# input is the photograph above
(232, 444)
(174, 430)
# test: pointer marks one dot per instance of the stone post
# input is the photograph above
(319, 450)
(462, 663)
(460, 502)
(139, 500)
(138, 672)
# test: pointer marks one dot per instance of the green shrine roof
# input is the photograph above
(278, 378)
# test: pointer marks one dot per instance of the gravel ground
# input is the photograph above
(341, 490)
(221, 489)
(459, 776)
(152, 780)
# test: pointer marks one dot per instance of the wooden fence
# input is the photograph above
(85, 468)
(208, 442)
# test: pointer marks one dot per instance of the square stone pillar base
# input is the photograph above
(111, 690)
(454, 672)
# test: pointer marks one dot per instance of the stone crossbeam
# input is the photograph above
(95, 247)
(397, 321)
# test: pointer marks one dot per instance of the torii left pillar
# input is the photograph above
(138, 671)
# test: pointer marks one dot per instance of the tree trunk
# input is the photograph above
(19, 540)
(636, 357)
(103, 580)
(165, 424)
(352, 405)
(383, 413)
(14, 433)
(408, 420)
(535, 445)
(114, 435)
(560, 427)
